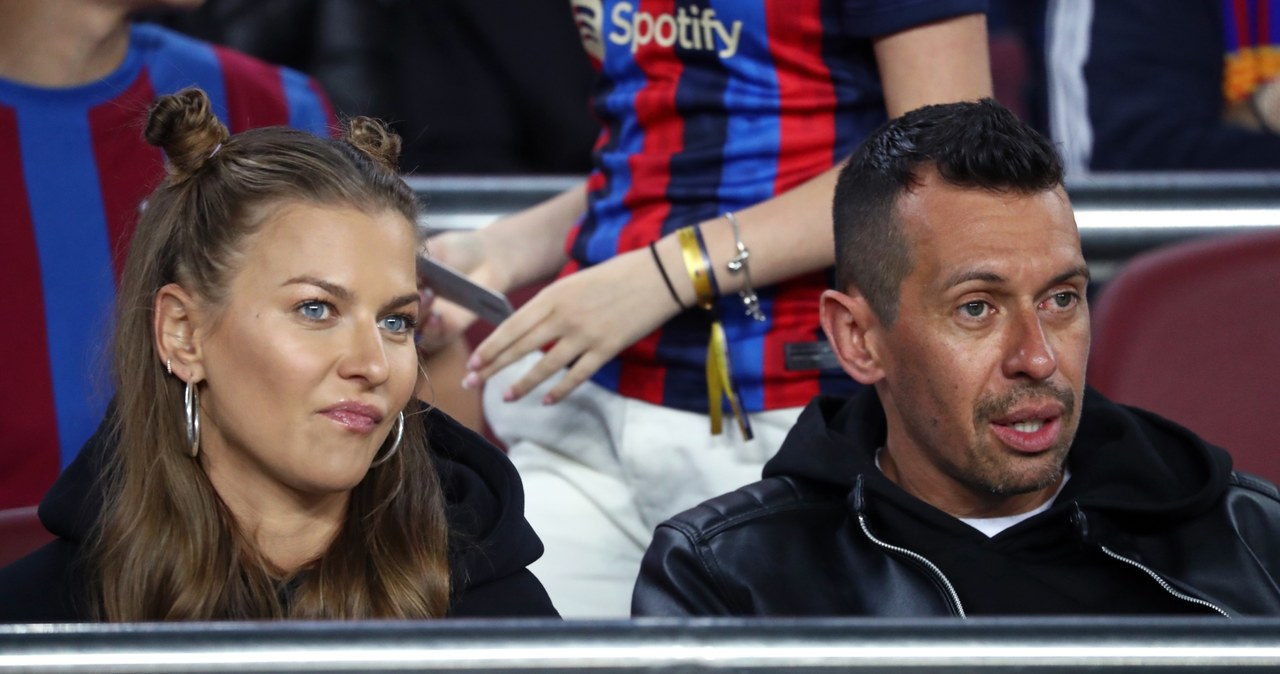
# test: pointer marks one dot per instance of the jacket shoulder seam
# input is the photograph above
(1253, 483)
(700, 532)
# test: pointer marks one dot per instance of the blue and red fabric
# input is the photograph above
(1251, 46)
(710, 106)
(73, 170)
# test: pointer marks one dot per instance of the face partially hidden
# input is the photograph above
(311, 357)
(984, 367)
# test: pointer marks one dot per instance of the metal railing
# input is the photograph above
(1119, 214)
(697, 645)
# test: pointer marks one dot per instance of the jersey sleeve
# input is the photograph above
(876, 18)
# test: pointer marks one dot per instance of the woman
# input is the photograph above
(265, 457)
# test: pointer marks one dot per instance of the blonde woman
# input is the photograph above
(265, 456)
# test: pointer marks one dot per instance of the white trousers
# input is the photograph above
(601, 471)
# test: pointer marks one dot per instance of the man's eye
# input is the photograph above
(1064, 299)
(314, 310)
(974, 309)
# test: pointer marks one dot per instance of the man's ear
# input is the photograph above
(852, 326)
(176, 334)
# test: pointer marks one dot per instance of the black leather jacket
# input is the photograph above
(804, 541)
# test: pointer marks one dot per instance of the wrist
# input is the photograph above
(668, 252)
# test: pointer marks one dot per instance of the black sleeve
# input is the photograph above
(1154, 78)
(676, 580)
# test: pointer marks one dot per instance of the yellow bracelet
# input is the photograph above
(719, 371)
(698, 265)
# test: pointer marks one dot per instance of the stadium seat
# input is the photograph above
(20, 533)
(1192, 331)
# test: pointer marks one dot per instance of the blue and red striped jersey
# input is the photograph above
(710, 106)
(1251, 38)
(73, 169)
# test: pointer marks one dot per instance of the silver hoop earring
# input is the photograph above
(395, 444)
(192, 406)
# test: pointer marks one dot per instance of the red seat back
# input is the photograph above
(20, 533)
(1192, 332)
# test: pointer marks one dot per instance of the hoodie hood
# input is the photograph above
(490, 537)
(1125, 461)
(484, 498)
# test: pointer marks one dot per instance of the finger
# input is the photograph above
(552, 363)
(525, 344)
(587, 364)
(527, 318)
(545, 333)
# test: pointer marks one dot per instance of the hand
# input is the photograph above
(1267, 106)
(442, 321)
(591, 315)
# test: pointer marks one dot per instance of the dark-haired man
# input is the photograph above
(975, 474)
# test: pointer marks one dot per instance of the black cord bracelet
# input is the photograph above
(666, 279)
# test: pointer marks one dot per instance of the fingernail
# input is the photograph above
(548, 399)
(473, 363)
(509, 395)
(472, 380)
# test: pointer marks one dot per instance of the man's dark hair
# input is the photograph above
(977, 145)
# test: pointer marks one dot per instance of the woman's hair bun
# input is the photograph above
(375, 140)
(184, 126)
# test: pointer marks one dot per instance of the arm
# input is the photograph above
(674, 580)
(515, 251)
(936, 62)
(1155, 82)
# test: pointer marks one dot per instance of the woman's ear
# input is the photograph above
(852, 328)
(175, 332)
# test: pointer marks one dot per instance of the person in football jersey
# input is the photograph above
(682, 332)
(76, 79)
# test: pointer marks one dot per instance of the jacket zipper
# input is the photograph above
(937, 574)
(1163, 583)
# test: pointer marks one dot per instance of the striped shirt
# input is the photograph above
(73, 169)
(710, 106)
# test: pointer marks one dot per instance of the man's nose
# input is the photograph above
(1029, 353)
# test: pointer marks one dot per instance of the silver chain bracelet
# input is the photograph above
(738, 263)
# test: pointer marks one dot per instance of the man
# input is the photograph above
(731, 135)
(975, 474)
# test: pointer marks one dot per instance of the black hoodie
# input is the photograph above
(1153, 520)
(491, 543)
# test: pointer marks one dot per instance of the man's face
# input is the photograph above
(984, 366)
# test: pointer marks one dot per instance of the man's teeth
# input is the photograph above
(1028, 426)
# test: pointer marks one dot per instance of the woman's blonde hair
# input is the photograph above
(166, 546)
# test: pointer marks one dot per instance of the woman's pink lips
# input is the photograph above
(355, 416)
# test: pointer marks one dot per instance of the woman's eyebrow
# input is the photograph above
(331, 288)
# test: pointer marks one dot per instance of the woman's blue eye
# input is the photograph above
(314, 310)
(398, 323)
